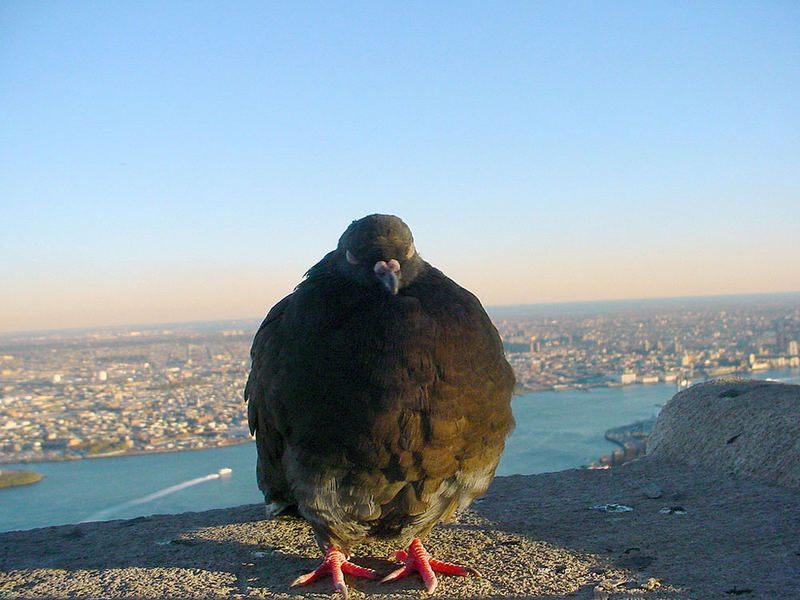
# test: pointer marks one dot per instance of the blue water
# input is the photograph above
(555, 431)
(78, 490)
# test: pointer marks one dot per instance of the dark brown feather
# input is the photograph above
(377, 414)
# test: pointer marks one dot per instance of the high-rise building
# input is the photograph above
(780, 334)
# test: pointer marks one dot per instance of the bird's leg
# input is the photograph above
(418, 559)
(337, 565)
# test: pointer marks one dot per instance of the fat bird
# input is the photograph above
(379, 397)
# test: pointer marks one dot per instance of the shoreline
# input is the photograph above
(232, 442)
(632, 442)
(630, 448)
(699, 377)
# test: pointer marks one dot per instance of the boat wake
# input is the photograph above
(108, 512)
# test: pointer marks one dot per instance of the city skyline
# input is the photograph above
(188, 162)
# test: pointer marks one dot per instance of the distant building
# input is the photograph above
(623, 377)
(793, 348)
(757, 365)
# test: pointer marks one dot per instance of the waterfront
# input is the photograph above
(555, 431)
(129, 390)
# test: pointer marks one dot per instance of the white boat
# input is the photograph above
(225, 471)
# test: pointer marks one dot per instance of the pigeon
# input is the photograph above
(380, 400)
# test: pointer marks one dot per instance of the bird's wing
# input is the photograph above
(259, 358)
(260, 412)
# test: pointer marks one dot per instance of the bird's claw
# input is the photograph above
(418, 559)
(337, 565)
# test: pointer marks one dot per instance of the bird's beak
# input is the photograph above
(388, 272)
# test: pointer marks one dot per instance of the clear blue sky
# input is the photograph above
(165, 161)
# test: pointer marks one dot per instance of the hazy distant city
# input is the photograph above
(667, 342)
(97, 393)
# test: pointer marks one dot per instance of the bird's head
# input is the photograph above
(379, 250)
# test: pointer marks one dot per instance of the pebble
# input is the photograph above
(653, 491)
(612, 508)
(651, 584)
(672, 510)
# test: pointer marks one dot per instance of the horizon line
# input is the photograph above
(489, 308)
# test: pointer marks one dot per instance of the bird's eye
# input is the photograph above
(350, 258)
(411, 251)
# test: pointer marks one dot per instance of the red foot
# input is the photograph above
(418, 559)
(337, 565)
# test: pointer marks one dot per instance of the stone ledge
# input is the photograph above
(743, 427)
(531, 536)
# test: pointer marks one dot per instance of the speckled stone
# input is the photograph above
(743, 427)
